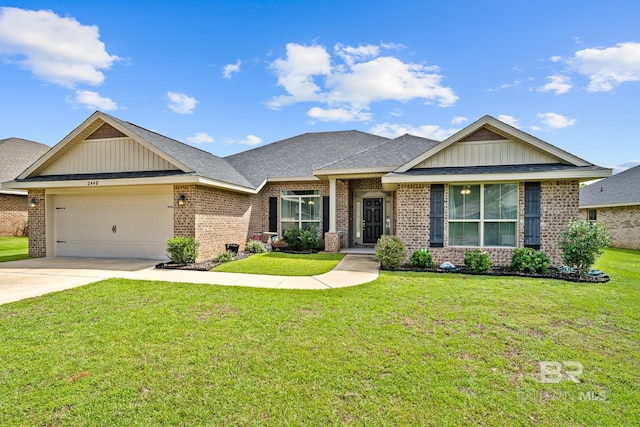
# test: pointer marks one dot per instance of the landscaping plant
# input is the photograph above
(390, 251)
(477, 261)
(581, 243)
(224, 257)
(529, 260)
(255, 247)
(182, 250)
(301, 240)
(422, 258)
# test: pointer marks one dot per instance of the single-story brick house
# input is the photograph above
(114, 189)
(15, 156)
(615, 202)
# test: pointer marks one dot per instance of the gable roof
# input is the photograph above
(297, 157)
(622, 189)
(16, 155)
(384, 157)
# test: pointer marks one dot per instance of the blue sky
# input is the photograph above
(227, 76)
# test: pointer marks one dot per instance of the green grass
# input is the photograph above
(406, 349)
(283, 264)
(14, 248)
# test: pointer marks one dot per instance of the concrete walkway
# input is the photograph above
(38, 276)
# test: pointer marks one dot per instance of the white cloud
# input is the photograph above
(555, 58)
(200, 138)
(229, 69)
(392, 130)
(355, 78)
(338, 115)
(555, 120)
(557, 84)
(250, 140)
(396, 112)
(181, 103)
(56, 49)
(510, 120)
(458, 119)
(92, 101)
(620, 167)
(608, 67)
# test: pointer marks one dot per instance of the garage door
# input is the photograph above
(113, 225)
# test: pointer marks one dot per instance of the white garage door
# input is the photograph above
(113, 225)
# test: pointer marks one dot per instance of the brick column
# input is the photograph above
(332, 242)
(37, 225)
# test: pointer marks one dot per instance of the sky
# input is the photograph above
(227, 76)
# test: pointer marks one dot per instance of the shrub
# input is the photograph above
(292, 238)
(278, 244)
(529, 261)
(422, 258)
(224, 257)
(255, 247)
(477, 261)
(581, 244)
(182, 250)
(309, 239)
(390, 251)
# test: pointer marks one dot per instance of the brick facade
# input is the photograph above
(623, 223)
(13, 214)
(37, 225)
(559, 205)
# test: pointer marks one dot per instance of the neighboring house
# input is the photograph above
(615, 202)
(15, 156)
(114, 189)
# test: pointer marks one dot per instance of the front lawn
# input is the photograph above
(283, 264)
(406, 349)
(14, 248)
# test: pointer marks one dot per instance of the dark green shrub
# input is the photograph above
(224, 257)
(477, 261)
(255, 247)
(292, 238)
(309, 239)
(390, 251)
(529, 261)
(422, 258)
(581, 244)
(182, 250)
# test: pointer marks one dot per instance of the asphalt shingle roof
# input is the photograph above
(621, 188)
(16, 155)
(472, 170)
(300, 155)
(390, 153)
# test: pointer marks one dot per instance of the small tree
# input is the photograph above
(390, 251)
(581, 244)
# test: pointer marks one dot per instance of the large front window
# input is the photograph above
(299, 209)
(483, 215)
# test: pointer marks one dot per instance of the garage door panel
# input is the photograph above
(114, 225)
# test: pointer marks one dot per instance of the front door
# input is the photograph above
(372, 220)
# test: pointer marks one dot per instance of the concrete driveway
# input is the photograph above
(34, 277)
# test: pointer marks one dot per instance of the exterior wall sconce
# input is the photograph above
(33, 202)
(182, 200)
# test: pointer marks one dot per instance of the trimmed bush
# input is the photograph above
(477, 261)
(529, 260)
(581, 244)
(390, 251)
(292, 238)
(255, 247)
(182, 250)
(301, 240)
(224, 257)
(422, 258)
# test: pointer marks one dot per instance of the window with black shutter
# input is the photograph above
(436, 235)
(532, 215)
(273, 214)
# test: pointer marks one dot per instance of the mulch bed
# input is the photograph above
(205, 265)
(505, 271)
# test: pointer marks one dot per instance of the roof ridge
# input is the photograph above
(359, 153)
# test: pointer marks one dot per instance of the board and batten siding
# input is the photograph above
(106, 156)
(486, 153)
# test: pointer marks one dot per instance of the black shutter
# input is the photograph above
(273, 214)
(532, 215)
(436, 237)
(325, 213)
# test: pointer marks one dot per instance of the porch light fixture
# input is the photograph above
(182, 199)
(466, 190)
(33, 202)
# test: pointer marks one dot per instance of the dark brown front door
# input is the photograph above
(372, 220)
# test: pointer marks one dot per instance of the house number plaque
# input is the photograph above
(92, 183)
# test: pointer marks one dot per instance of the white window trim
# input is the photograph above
(481, 221)
(299, 220)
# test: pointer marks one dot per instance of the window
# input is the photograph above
(483, 215)
(299, 209)
(592, 215)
